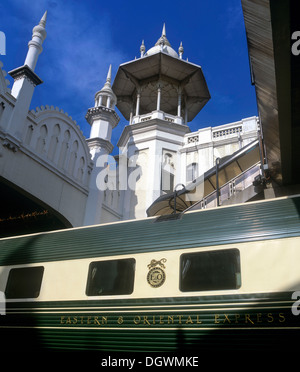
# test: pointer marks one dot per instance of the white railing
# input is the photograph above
(157, 115)
(229, 189)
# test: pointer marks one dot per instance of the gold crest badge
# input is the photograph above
(156, 275)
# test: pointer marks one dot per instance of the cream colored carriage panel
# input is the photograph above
(266, 266)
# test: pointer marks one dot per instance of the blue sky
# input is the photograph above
(84, 37)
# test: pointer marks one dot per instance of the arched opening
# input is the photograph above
(20, 213)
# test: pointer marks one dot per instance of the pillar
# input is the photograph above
(158, 96)
(108, 102)
(138, 99)
(179, 102)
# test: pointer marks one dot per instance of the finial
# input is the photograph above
(180, 50)
(142, 49)
(162, 41)
(40, 30)
(35, 44)
(43, 19)
(108, 77)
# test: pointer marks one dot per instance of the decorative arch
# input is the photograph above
(65, 146)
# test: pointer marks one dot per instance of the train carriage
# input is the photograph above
(219, 278)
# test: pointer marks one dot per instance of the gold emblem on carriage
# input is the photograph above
(156, 275)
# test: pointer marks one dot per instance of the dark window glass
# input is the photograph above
(114, 277)
(24, 282)
(211, 270)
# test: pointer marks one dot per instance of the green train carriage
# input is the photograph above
(224, 278)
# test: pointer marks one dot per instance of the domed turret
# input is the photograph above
(160, 84)
(105, 96)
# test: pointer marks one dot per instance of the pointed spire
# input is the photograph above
(40, 30)
(106, 96)
(43, 19)
(108, 77)
(35, 44)
(107, 85)
(163, 39)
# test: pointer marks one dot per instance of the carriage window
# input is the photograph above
(24, 282)
(114, 277)
(211, 270)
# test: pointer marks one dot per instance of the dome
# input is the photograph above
(162, 45)
(165, 49)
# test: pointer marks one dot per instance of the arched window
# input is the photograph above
(41, 141)
(64, 149)
(191, 172)
(80, 171)
(167, 172)
(73, 157)
(54, 142)
(28, 135)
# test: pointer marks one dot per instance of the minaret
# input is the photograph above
(102, 118)
(35, 44)
(158, 93)
(34, 49)
(25, 79)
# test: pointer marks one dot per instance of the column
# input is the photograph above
(158, 96)
(108, 102)
(186, 112)
(138, 99)
(179, 102)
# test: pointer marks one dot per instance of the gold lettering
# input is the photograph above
(270, 318)
(170, 319)
(226, 319)
(96, 321)
(189, 320)
(137, 320)
(247, 318)
(146, 321)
